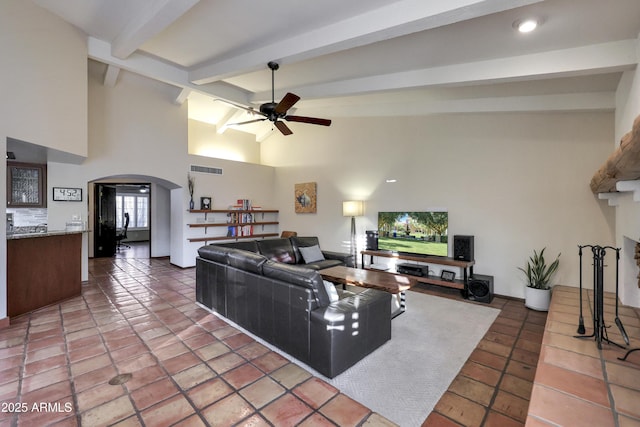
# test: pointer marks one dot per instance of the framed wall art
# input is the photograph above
(305, 197)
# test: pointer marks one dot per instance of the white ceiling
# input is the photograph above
(366, 57)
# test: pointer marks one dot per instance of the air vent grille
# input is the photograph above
(206, 169)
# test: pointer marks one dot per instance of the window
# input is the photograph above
(137, 206)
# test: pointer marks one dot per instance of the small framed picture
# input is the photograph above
(205, 203)
(447, 275)
(61, 194)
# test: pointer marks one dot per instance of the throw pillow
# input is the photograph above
(331, 291)
(311, 254)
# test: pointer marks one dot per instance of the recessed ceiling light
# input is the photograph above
(391, 180)
(526, 25)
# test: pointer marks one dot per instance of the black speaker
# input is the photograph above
(480, 288)
(372, 240)
(463, 248)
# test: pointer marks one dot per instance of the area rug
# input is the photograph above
(404, 379)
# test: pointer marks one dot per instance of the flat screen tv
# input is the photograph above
(414, 233)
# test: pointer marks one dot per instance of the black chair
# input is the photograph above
(123, 233)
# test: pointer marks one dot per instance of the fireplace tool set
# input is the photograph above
(599, 327)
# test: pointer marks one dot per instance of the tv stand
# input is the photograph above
(465, 266)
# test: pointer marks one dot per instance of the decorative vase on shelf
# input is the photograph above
(191, 204)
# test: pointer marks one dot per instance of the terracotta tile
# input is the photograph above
(44, 379)
(497, 337)
(269, 362)
(193, 376)
(516, 386)
(488, 359)
(254, 421)
(243, 375)
(209, 392)
(461, 410)
(473, 390)
(239, 340)
(98, 395)
(521, 370)
(583, 386)
(93, 378)
(89, 365)
(510, 405)
(623, 375)
(481, 373)
(180, 363)
(227, 411)
(150, 394)
(577, 362)
(144, 376)
(290, 375)
(495, 348)
(626, 400)
(436, 420)
(562, 409)
(226, 362)
(586, 347)
(45, 364)
(108, 413)
(168, 411)
(200, 340)
(624, 421)
(496, 419)
(524, 356)
(315, 392)
(344, 411)
(262, 392)
(317, 420)
(211, 351)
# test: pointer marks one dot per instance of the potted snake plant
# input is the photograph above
(538, 275)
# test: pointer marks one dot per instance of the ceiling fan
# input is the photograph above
(276, 112)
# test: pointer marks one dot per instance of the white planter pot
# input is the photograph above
(537, 299)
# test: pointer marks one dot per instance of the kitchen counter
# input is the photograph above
(42, 269)
(13, 236)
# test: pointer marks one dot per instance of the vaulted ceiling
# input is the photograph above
(366, 57)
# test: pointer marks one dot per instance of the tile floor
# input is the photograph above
(597, 388)
(190, 368)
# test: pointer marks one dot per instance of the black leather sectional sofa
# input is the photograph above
(267, 288)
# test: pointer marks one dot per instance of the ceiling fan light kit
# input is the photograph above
(275, 112)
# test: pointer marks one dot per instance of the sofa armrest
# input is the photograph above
(347, 259)
(348, 329)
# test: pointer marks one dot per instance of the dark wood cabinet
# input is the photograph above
(26, 185)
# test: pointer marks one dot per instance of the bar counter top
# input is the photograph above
(13, 236)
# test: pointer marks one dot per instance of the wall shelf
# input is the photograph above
(239, 224)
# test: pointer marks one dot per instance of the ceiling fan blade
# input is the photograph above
(287, 102)
(283, 128)
(311, 120)
(247, 122)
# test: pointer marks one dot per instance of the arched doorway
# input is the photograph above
(145, 200)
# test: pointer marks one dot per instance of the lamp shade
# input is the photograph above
(353, 208)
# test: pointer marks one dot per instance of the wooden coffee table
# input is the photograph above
(383, 281)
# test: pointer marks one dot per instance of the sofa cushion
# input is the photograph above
(246, 260)
(215, 253)
(279, 250)
(302, 242)
(299, 276)
(311, 254)
(321, 265)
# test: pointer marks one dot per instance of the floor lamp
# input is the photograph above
(353, 208)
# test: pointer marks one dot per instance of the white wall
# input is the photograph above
(517, 182)
(204, 140)
(44, 89)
